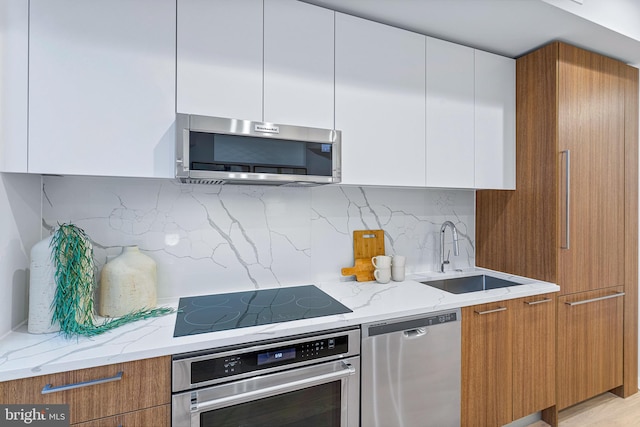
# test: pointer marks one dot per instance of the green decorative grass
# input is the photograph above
(72, 305)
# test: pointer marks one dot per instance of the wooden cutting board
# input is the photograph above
(366, 245)
(363, 270)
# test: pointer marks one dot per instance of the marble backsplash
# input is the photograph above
(208, 239)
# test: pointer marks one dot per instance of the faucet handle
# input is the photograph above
(446, 261)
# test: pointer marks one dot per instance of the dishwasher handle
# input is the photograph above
(414, 333)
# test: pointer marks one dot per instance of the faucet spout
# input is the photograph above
(456, 247)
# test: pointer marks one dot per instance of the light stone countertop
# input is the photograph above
(25, 355)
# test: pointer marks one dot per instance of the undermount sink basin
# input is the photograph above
(462, 285)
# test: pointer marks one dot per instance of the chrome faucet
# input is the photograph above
(456, 249)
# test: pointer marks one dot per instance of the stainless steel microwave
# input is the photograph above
(215, 150)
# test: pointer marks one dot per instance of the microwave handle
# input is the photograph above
(286, 387)
(185, 150)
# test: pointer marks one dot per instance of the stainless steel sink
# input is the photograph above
(462, 285)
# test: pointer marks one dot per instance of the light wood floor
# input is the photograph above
(606, 410)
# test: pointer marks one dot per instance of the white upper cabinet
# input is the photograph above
(102, 87)
(298, 64)
(14, 60)
(495, 130)
(246, 60)
(219, 58)
(450, 115)
(380, 103)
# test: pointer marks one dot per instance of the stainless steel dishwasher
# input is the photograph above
(411, 371)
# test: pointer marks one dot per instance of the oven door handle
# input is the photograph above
(239, 398)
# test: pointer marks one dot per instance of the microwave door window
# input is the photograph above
(201, 152)
(319, 159)
(233, 153)
(259, 151)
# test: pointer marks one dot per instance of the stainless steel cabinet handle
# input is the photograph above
(49, 389)
(491, 311)
(567, 183)
(586, 301)
(538, 302)
(276, 389)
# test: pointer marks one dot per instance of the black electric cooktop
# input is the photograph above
(219, 312)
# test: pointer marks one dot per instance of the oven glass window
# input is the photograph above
(317, 406)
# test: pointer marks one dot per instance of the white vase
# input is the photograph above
(128, 283)
(42, 289)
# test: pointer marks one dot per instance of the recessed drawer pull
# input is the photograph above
(586, 301)
(49, 389)
(491, 311)
(542, 301)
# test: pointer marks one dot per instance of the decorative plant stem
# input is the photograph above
(72, 255)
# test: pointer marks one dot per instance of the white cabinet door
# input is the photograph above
(450, 115)
(102, 87)
(380, 108)
(495, 131)
(298, 64)
(219, 58)
(14, 45)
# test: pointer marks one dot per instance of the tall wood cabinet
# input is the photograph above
(573, 217)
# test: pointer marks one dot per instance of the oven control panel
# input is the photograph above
(245, 362)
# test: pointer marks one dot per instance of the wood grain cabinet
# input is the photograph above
(158, 416)
(573, 219)
(487, 365)
(508, 360)
(590, 355)
(534, 354)
(127, 394)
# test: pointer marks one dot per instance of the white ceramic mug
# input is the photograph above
(398, 260)
(382, 275)
(381, 261)
(397, 273)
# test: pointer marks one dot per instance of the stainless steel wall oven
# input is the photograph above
(309, 380)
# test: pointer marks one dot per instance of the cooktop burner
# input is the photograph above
(212, 313)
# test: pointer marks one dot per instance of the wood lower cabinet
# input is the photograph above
(487, 361)
(133, 386)
(590, 358)
(159, 416)
(534, 354)
(508, 360)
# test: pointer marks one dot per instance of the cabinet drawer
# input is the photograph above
(159, 416)
(141, 384)
(589, 344)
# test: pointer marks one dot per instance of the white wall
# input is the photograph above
(19, 230)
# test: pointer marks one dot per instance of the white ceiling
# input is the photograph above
(506, 27)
